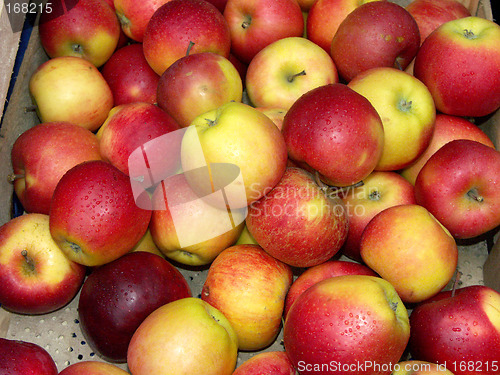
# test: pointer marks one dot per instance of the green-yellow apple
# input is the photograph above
(249, 287)
(196, 84)
(336, 132)
(92, 368)
(276, 114)
(416, 367)
(245, 238)
(42, 154)
(181, 27)
(36, 276)
(460, 64)
(187, 336)
(254, 24)
(446, 129)
(389, 37)
(18, 357)
(380, 190)
(147, 244)
(459, 330)
(459, 186)
(71, 89)
(297, 222)
(240, 135)
(407, 110)
(93, 215)
(90, 30)
(408, 247)
(267, 362)
(302, 66)
(353, 324)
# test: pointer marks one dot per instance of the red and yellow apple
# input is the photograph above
(18, 357)
(272, 362)
(92, 368)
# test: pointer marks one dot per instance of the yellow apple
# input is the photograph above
(92, 368)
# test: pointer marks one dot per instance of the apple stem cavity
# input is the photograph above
(292, 77)
(474, 195)
(246, 22)
(78, 48)
(405, 105)
(29, 261)
(13, 177)
(190, 47)
(374, 195)
(469, 34)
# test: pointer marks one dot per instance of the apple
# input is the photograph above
(36, 276)
(353, 324)
(237, 135)
(380, 190)
(219, 4)
(430, 14)
(128, 127)
(181, 27)
(135, 15)
(116, 298)
(19, 357)
(297, 222)
(70, 89)
(196, 84)
(407, 110)
(89, 30)
(187, 336)
(324, 18)
(315, 274)
(254, 24)
(130, 77)
(269, 362)
(460, 64)
(276, 114)
(460, 330)
(93, 215)
(147, 244)
(459, 186)
(42, 154)
(412, 250)
(336, 132)
(249, 286)
(416, 367)
(389, 37)
(303, 66)
(92, 368)
(245, 237)
(446, 128)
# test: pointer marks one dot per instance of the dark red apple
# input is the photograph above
(25, 358)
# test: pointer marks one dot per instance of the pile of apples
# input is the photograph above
(259, 140)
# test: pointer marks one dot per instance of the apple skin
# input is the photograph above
(276, 114)
(93, 216)
(89, 30)
(19, 357)
(461, 332)
(43, 280)
(128, 127)
(130, 77)
(335, 131)
(407, 110)
(188, 325)
(312, 275)
(344, 321)
(303, 66)
(92, 368)
(416, 367)
(446, 128)
(453, 63)
(70, 89)
(42, 154)
(177, 24)
(380, 190)
(196, 84)
(287, 220)
(393, 39)
(324, 18)
(408, 247)
(117, 297)
(459, 186)
(255, 24)
(273, 362)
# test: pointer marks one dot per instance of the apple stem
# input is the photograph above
(473, 194)
(469, 34)
(31, 108)
(405, 105)
(29, 261)
(455, 283)
(190, 47)
(13, 176)
(78, 48)
(292, 77)
(246, 23)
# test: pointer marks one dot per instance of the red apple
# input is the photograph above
(297, 222)
(459, 186)
(118, 296)
(389, 37)
(460, 64)
(181, 27)
(42, 154)
(92, 368)
(335, 131)
(459, 330)
(130, 77)
(89, 30)
(255, 24)
(19, 357)
(36, 276)
(219, 4)
(93, 216)
(268, 362)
